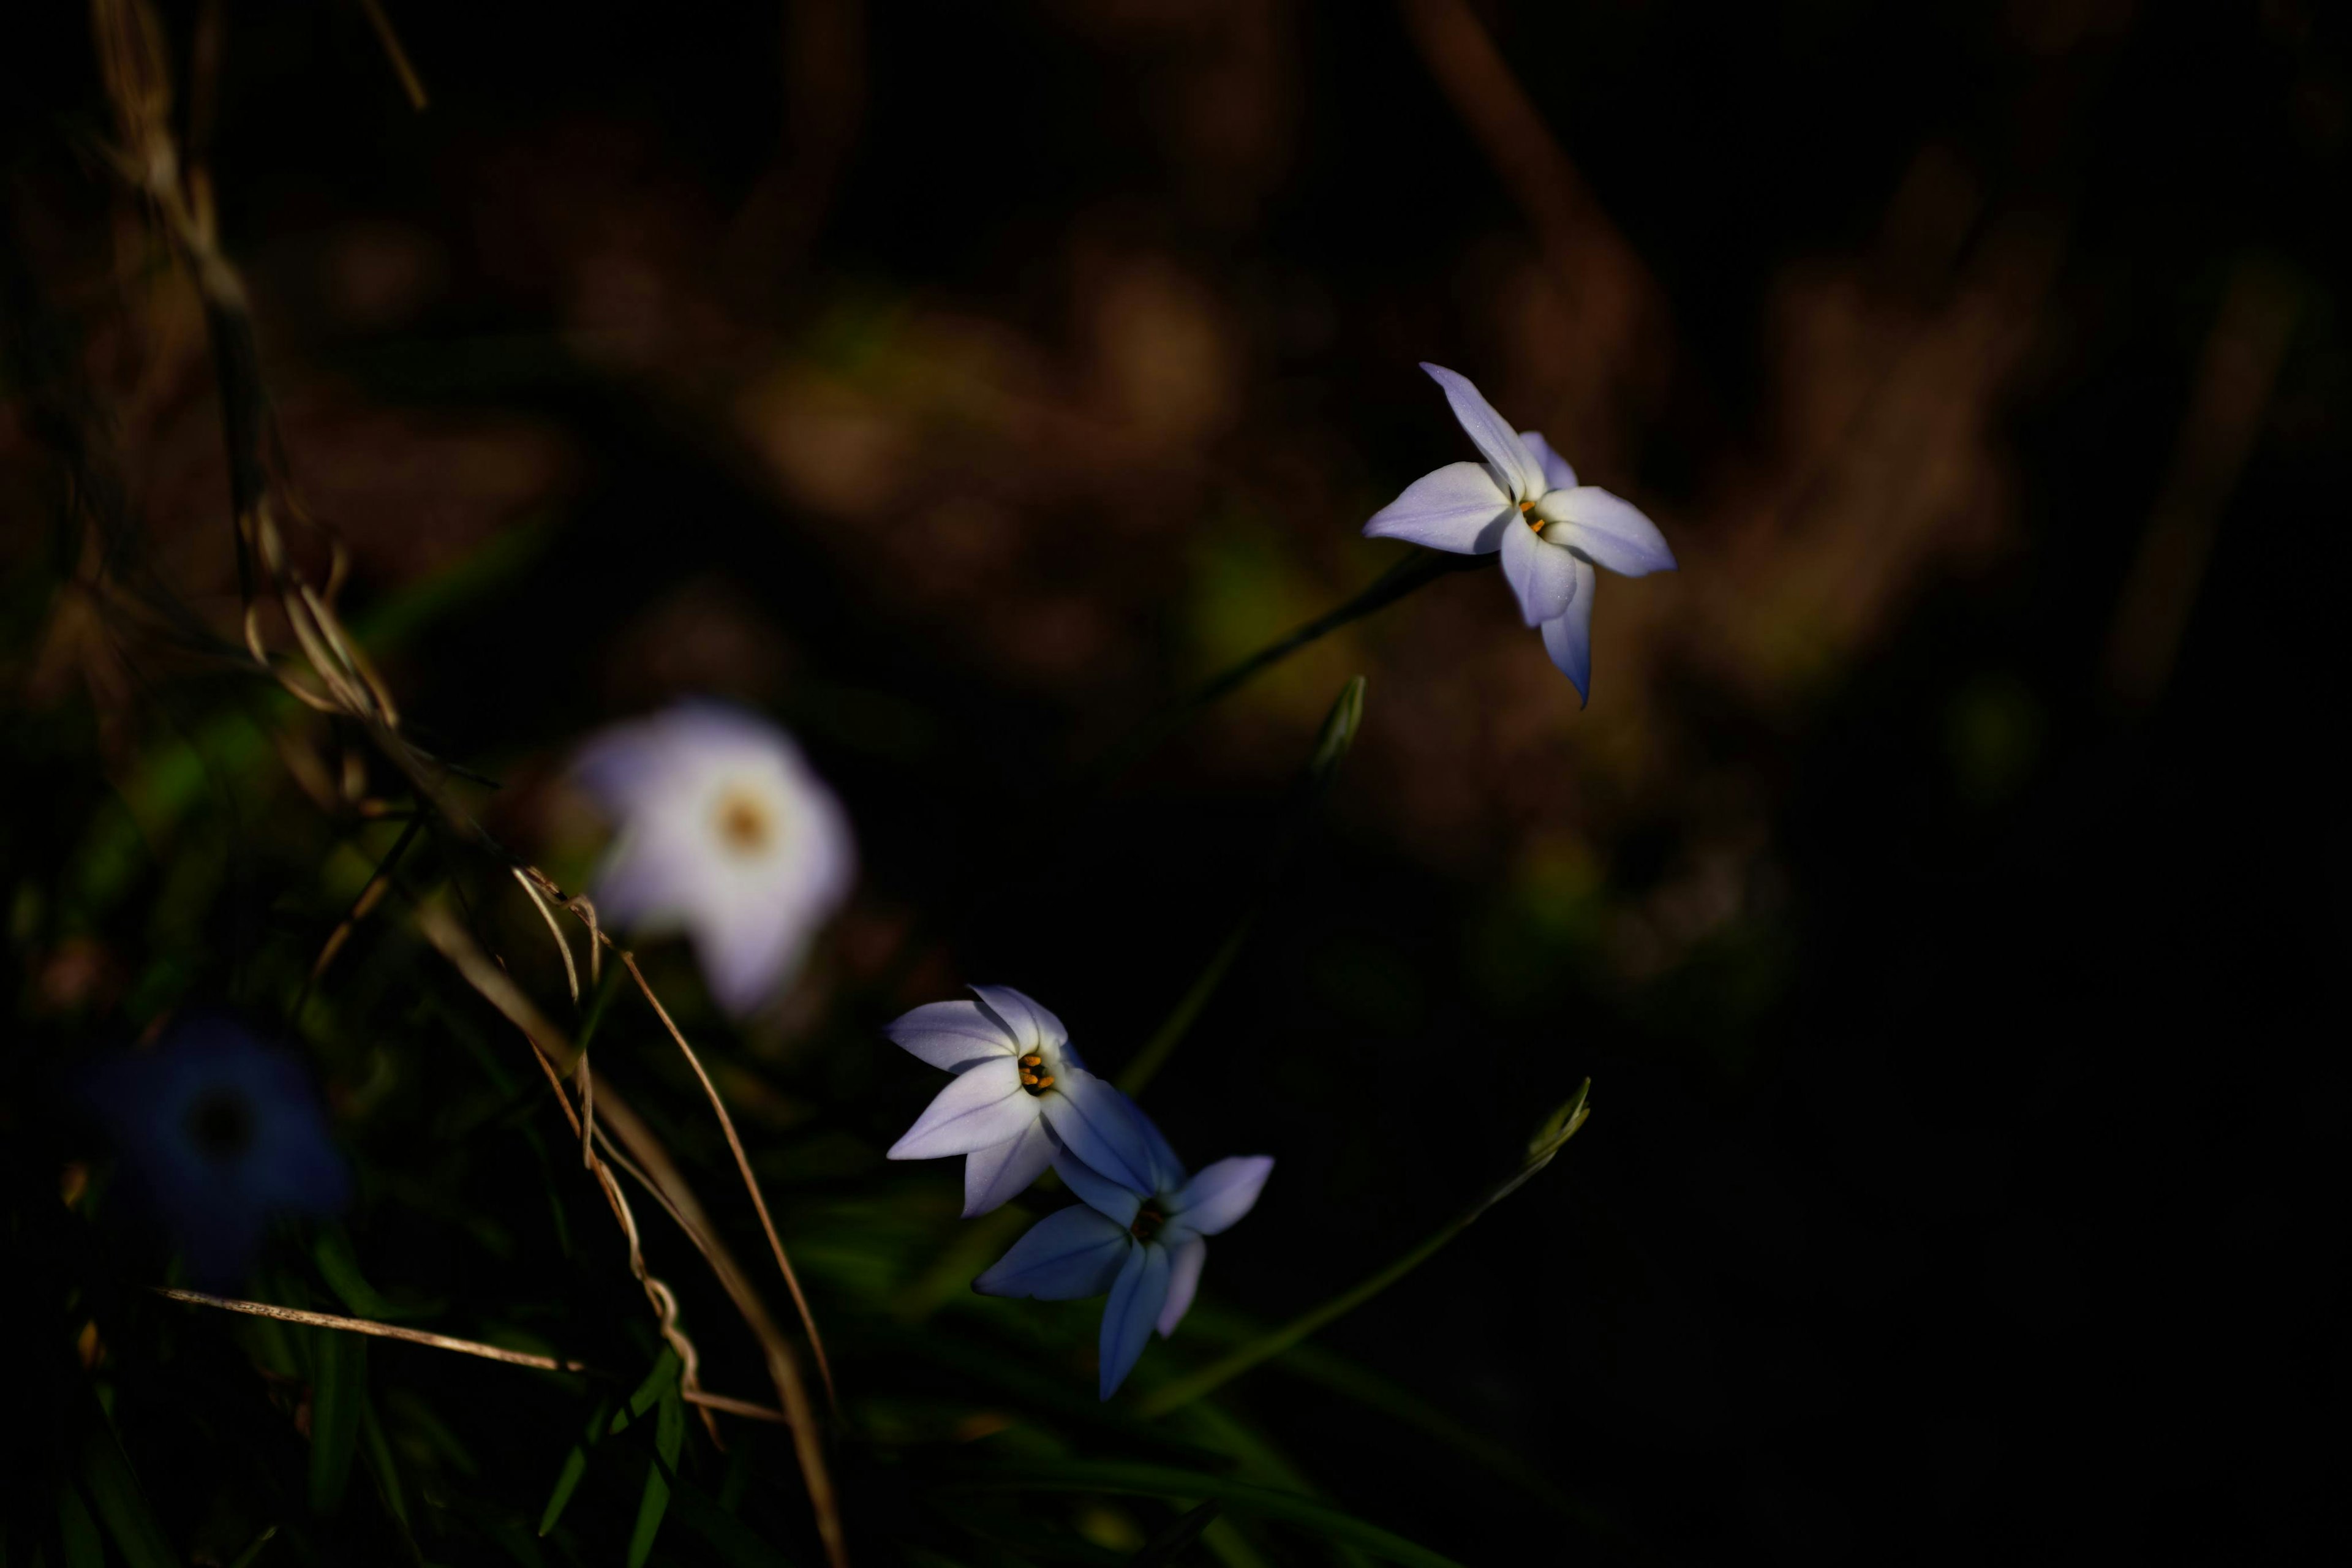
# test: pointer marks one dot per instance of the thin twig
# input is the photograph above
(570, 970)
(722, 1401)
(751, 1182)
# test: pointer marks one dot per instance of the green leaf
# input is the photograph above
(669, 1437)
(1119, 1477)
(730, 1537)
(665, 1373)
(77, 1539)
(1161, 1549)
(338, 1394)
(576, 1465)
(252, 1553)
(381, 1465)
(106, 1477)
(340, 1267)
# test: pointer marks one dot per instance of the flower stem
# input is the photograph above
(1414, 572)
(1331, 743)
(1556, 1132)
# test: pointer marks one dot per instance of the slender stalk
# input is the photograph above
(1556, 1132)
(1413, 573)
(1331, 743)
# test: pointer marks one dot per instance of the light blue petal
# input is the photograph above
(1459, 507)
(1184, 1260)
(1607, 528)
(950, 1035)
(1543, 576)
(1029, 1024)
(1496, 440)
(1070, 1253)
(1101, 1127)
(1001, 1171)
(1136, 1299)
(978, 1108)
(1568, 639)
(1099, 1192)
(1558, 475)
(1221, 1193)
(1167, 1171)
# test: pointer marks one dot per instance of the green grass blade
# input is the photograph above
(728, 1538)
(1161, 1550)
(77, 1540)
(381, 1464)
(669, 1437)
(665, 1373)
(576, 1465)
(338, 1265)
(252, 1553)
(338, 1393)
(114, 1491)
(1120, 1479)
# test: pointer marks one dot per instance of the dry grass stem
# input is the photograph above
(570, 970)
(751, 1182)
(708, 1401)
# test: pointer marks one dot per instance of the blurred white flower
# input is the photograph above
(1523, 500)
(724, 833)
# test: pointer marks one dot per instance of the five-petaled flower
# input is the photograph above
(220, 1134)
(1523, 500)
(724, 833)
(1144, 1244)
(1020, 1096)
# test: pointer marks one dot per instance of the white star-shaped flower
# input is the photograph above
(1020, 1097)
(1523, 500)
(724, 833)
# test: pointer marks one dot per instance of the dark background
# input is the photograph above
(1949, 948)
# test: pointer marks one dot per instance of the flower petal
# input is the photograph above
(1099, 1192)
(1070, 1253)
(1459, 507)
(1100, 1126)
(1029, 1024)
(1137, 1297)
(1184, 1260)
(1607, 528)
(1541, 573)
(1001, 1171)
(1568, 639)
(983, 1106)
(1496, 440)
(1558, 475)
(950, 1035)
(1221, 1193)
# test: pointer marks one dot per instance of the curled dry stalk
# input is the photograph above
(332, 676)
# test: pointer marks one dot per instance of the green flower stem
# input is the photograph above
(1415, 571)
(1331, 743)
(1556, 1132)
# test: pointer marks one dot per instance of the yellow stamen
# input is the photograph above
(1046, 1081)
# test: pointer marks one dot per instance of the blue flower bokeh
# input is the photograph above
(220, 1133)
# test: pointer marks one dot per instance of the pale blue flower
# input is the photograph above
(1020, 1097)
(220, 1134)
(1523, 500)
(1143, 1243)
(724, 833)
